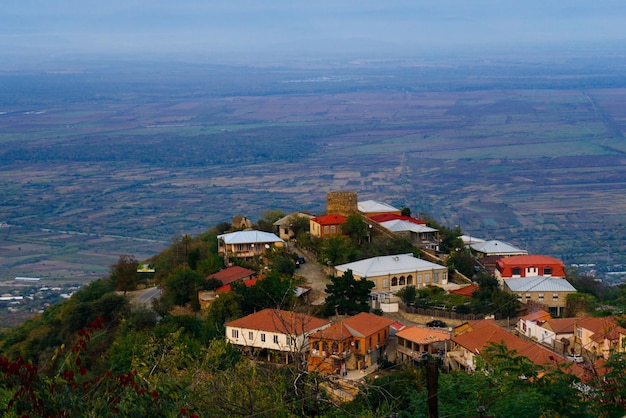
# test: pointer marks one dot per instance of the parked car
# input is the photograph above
(301, 260)
(437, 324)
(576, 358)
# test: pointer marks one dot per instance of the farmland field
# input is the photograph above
(105, 162)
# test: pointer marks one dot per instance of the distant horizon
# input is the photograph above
(249, 32)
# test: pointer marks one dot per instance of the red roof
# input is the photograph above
(529, 260)
(466, 290)
(230, 274)
(279, 321)
(561, 325)
(423, 335)
(601, 327)
(331, 219)
(539, 315)
(361, 325)
(384, 217)
(487, 331)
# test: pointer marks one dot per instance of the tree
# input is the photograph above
(408, 295)
(335, 250)
(355, 228)
(299, 224)
(348, 296)
(182, 286)
(124, 273)
(268, 217)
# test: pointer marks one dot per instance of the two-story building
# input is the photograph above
(413, 343)
(391, 273)
(530, 325)
(352, 344)
(597, 337)
(495, 248)
(246, 244)
(275, 331)
(419, 235)
(549, 292)
(284, 226)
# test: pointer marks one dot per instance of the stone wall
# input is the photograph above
(342, 203)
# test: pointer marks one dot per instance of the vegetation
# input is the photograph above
(347, 295)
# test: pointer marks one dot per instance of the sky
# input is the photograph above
(161, 27)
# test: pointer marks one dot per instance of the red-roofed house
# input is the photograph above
(275, 330)
(558, 333)
(327, 225)
(529, 325)
(247, 283)
(414, 342)
(478, 335)
(465, 290)
(597, 337)
(395, 217)
(231, 274)
(528, 266)
(352, 344)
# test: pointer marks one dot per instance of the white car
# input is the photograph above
(576, 358)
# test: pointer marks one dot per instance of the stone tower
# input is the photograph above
(343, 203)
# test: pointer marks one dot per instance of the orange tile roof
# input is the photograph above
(539, 315)
(361, 325)
(247, 283)
(423, 335)
(331, 219)
(487, 331)
(465, 290)
(561, 325)
(279, 321)
(230, 274)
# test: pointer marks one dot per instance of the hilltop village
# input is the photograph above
(327, 315)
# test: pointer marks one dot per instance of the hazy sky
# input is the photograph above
(59, 27)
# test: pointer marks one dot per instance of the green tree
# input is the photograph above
(348, 296)
(124, 273)
(182, 287)
(268, 217)
(355, 228)
(335, 250)
(299, 224)
(408, 295)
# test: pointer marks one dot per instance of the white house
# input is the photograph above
(420, 235)
(247, 244)
(277, 330)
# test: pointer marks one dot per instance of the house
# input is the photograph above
(370, 208)
(246, 244)
(327, 225)
(231, 274)
(352, 344)
(550, 292)
(495, 248)
(530, 325)
(419, 235)
(597, 337)
(558, 333)
(283, 226)
(466, 291)
(471, 339)
(274, 331)
(528, 266)
(414, 342)
(393, 272)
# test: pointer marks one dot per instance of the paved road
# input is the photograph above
(145, 296)
(315, 277)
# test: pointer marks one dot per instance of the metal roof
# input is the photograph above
(539, 284)
(248, 237)
(497, 247)
(399, 225)
(369, 206)
(389, 264)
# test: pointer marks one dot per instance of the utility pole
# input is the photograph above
(432, 385)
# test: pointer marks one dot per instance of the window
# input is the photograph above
(251, 335)
(262, 338)
(547, 271)
(555, 297)
(436, 277)
(579, 332)
(333, 229)
(275, 339)
(378, 338)
(519, 296)
(287, 339)
(427, 278)
(409, 280)
(394, 281)
(326, 230)
(402, 281)
(540, 297)
(527, 296)
(385, 283)
(235, 333)
(419, 278)
(516, 271)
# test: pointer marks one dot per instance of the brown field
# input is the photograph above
(542, 168)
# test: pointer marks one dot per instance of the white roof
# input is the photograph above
(496, 247)
(369, 206)
(249, 237)
(539, 284)
(389, 264)
(398, 225)
(468, 239)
